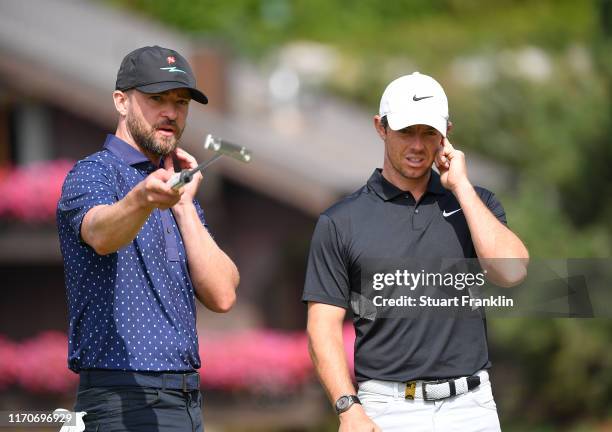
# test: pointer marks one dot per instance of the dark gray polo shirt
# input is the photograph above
(380, 221)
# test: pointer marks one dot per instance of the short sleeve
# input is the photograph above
(200, 213)
(493, 204)
(87, 185)
(327, 278)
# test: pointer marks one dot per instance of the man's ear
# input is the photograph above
(380, 129)
(121, 102)
(449, 127)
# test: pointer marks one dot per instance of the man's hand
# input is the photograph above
(185, 161)
(451, 164)
(108, 228)
(356, 420)
(153, 192)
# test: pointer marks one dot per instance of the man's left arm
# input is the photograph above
(499, 250)
(214, 275)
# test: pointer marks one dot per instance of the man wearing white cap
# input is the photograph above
(430, 373)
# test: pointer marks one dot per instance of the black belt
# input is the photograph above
(185, 381)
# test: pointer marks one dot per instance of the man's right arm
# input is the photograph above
(326, 346)
(108, 228)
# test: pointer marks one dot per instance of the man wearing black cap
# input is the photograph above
(417, 370)
(136, 254)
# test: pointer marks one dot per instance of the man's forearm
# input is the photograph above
(214, 275)
(326, 347)
(107, 228)
(493, 240)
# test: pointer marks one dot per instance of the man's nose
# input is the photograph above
(416, 142)
(170, 111)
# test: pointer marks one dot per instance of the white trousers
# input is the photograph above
(385, 403)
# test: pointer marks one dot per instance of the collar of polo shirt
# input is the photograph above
(388, 191)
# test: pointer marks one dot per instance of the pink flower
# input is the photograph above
(42, 365)
(256, 361)
(30, 193)
(259, 361)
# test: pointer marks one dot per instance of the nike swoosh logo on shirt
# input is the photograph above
(445, 214)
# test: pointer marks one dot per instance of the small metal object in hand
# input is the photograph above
(219, 146)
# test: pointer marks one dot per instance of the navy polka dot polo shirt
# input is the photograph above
(133, 309)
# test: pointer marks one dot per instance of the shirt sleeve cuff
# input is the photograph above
(334, 301)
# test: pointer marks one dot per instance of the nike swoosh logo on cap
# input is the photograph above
(445, 214)
(416, 99)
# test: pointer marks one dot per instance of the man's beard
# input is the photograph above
(148, 141)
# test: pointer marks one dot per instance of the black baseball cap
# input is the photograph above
(153, 69)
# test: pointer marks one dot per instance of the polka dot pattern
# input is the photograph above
(133, 309)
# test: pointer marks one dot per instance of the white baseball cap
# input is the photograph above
(415, 99)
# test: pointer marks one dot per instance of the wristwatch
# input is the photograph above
(345, 402)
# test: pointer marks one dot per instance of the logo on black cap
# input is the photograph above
(173, 69)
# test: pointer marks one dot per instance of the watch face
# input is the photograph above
(343, 403)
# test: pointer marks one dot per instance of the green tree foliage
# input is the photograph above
(553, 371)
(401, 27)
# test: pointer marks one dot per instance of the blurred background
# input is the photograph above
(298, 81)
